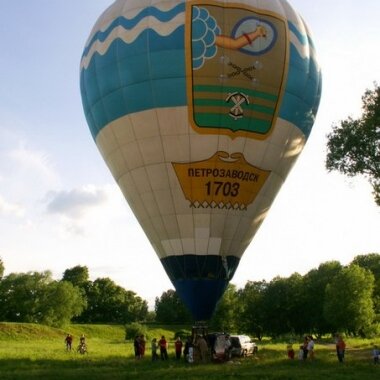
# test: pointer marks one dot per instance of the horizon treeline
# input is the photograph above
(328, 299)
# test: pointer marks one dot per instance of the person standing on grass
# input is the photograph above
(188, 350)
(201, 344)
(375, 355)
(310, 347)
(154, 347)
(336, 340)
(136, 345)
(304, 347)
(227, 348)
(69, 342)
(300, 353)
(341, 349)
(178, 348)
(162, 343)
(142, 346)
(290, 351)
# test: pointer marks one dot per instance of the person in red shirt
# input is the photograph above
(163, 348)
(68, 341)
(340, 349)
(290, 351)
(142, 346)
(178, 348)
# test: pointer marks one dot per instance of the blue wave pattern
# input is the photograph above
(130, 24)
(147, 73)
(303, 88)
(150, 73)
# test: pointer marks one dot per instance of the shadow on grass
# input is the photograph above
(263, 367)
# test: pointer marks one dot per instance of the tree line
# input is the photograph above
(35, 297)
(330, 298)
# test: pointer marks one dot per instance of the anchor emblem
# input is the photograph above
(238, 98)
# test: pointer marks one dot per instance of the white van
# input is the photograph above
(242, 345)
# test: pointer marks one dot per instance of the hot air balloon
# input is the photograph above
(200, 109)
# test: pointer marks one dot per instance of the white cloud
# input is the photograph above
(33, 163)
(85, 211)
(74, 203)
(10, 209)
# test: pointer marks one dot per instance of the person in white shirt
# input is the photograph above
(310, 347)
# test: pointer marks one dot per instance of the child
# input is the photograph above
(300, 353)
(375, 354)
(290, 350)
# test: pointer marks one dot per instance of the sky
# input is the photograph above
(60, 207)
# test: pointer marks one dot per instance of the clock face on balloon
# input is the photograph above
(200, 109)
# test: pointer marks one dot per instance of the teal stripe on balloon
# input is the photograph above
(302, 92)
(129, 79)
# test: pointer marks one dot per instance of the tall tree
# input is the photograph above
(353, 146)
(21, 294)
(77, 275)
(60, 302)
(110, 303)
(250, 300)
(170, 309)
(224, 318)
(282, 305)
(2, 269)
(348, 303)
(371, 261)
(314, 294)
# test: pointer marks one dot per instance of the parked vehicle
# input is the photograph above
(216, 343)
(242, 345)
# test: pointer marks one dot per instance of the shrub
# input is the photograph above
(134, 329)
(183, 334)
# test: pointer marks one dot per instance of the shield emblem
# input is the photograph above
(237, 59)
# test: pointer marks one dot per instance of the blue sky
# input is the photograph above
(60, 207)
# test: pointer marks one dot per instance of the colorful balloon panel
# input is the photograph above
(200, 109)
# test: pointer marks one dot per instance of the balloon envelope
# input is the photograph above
(200, 109)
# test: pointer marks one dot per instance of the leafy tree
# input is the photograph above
(77, 275)
(2, 269)
(353, 146)
(314, 287)
(60, 302)
(281, 305)
(348, 303)
(371, 262)
(110, 303)
(170, 309)
(35, 297)
(250, 299)
(21, 294)
(226, 312)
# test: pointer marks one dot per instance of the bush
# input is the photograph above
(183, 334)
(372, 331)
(134, 329)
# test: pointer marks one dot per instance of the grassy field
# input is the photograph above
(30, 351)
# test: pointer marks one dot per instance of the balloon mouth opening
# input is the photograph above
(200, 281)
(200, 296)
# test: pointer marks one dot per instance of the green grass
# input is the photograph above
(30, 351)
